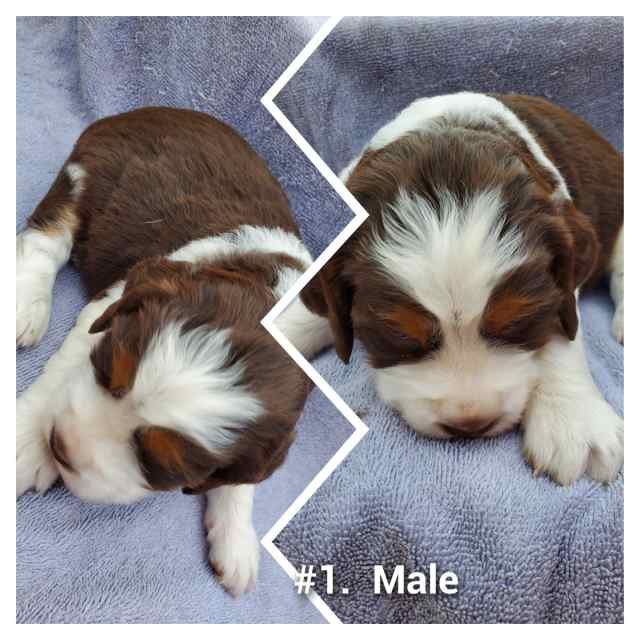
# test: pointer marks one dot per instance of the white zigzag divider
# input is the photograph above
(268, 321)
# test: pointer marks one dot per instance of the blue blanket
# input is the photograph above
(524, 548)
(148, 562)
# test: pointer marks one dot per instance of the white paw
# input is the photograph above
(234, 555)
(617, 326)
(35, 467)
(33, 308)
(566, 436)
(38, 258)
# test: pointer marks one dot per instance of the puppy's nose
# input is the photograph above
(468, 427)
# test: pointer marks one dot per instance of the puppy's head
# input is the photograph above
(465, 269)
(184, 389)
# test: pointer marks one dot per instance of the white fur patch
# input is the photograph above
(463, 108)
(78, 176)
(182, 382)
(48, 397)
(245, 239)
(449, 260)
(466, 109)
(569, 428)
(234, 549)
(39, 256)
(308, 333)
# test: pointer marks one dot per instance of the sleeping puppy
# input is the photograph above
(487, 215)
(184, 241)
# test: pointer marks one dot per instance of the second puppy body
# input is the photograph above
(487, 214)
(184, 241)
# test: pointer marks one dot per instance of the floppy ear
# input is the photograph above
(255, 465)
(128, 303)
(331, 295)
(586, 247)
(574, 246)
(151, 278)
(169, 459)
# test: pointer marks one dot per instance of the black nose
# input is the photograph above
(468, 428)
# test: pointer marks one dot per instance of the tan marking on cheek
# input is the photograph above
(410, 322)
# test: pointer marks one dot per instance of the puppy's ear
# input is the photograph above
(157, 278)
(252, 466)
(331, 295)
(574, 248)
(586, 247)
(170, 460)
(130, 301)
(114, 366)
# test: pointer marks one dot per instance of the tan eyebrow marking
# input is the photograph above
(507, 309)
(411, 322)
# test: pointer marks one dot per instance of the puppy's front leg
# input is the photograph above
(234, 550)
(568, 426)
(35, 408)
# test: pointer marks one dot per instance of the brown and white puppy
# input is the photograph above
(184, 241)
(487, 214)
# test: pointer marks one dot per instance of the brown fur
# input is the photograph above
(393, 328)
(156, 179)
(169, 459)
(591, 167)
(411, 322)
(570, 242)
(523, 308)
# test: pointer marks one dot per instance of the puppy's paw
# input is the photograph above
(566, 436)
(607, 453)
(33, 308)
(617, 325)
(234, 555)
(37, 261)
(35, 467)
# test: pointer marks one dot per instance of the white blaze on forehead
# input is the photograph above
(448, 259)
(183, 382)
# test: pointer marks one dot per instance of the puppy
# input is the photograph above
(487, 215)
(184, 242)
